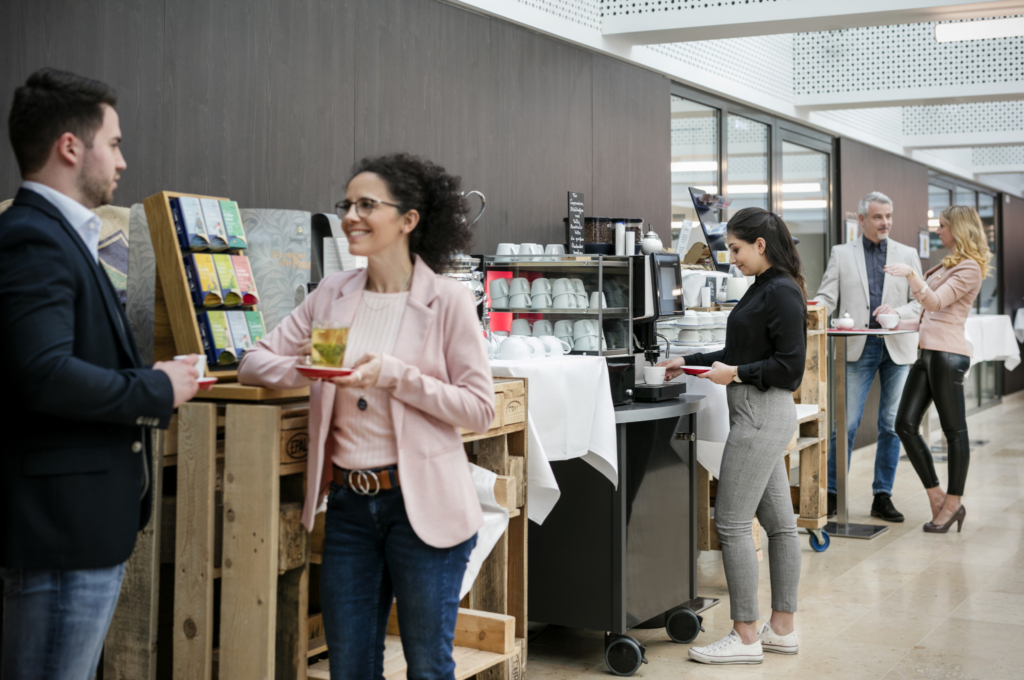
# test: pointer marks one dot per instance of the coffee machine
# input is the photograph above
(657, 295)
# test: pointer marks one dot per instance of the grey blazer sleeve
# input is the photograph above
(828, 291)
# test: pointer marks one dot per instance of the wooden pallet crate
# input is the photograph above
(240, 588)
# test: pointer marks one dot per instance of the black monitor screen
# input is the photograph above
(714, 229)
(669, 288)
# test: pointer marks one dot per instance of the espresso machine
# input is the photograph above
(657, 295)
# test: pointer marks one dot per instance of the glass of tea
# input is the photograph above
(329, 340)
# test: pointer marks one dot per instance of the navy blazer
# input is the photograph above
(74, 467)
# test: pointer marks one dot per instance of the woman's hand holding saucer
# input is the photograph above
(365, 373)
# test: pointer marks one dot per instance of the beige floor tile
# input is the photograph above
(1001, 608)
(963, 637)
(847, 660)
(542, 670)
(921, 664)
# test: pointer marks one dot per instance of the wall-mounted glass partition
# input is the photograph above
(695, 157)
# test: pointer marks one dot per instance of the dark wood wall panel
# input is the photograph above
(270, 102)
(1013, 275)
(630, 165)
(863, 169)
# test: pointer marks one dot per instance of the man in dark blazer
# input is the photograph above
(74, 469)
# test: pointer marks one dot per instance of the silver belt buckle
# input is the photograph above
(361, 484)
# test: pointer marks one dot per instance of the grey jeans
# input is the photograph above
(753, 480)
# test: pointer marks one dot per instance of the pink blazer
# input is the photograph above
(945, 303)
(439, 381)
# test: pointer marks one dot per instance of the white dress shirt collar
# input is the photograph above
(84, 221)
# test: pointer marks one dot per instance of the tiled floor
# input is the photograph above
(905, 605)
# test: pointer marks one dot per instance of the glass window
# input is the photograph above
(805, 207)
(939, 198)
(966, 197)
(988, 299)
(694, 157)
(747, 168)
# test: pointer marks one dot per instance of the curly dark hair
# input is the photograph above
(418, 184)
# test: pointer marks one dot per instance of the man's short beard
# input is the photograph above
(94, 188)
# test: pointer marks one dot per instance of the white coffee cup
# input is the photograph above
(530, 249)
(498, 288)
(518, 286)
(688, 336)
(597, 300)
(705, 318)
(521, 327)
(584, 328)
(507, 249)
(519, 301)
(541, 301)
(718, 334)
(540, 286)
(200, 363)
(542, 327)
(564, 301)
(654, 375)
(888, 321)
(690, 319)
(514, 348)
(499, 303)
(562, 286)
(735, 288)
(844, 323)
(720, 317)
(554, 249)
(555, 346)
(536, 348)
(564, 328)
(586, 344)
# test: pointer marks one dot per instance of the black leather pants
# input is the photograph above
(938, 377)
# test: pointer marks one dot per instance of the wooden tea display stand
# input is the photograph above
(224, 582)
(810, 442)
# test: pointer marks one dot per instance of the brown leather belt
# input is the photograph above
(367, 482)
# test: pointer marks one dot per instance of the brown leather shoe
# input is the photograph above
(957, 517)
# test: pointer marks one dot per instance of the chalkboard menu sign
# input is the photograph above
(574, 227)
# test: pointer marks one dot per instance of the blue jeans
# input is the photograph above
(372, 555)
(859, 376)
(55, 621)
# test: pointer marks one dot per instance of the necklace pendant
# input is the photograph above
(362, 404)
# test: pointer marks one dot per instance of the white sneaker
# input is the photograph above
(773, 642)
(729, 649)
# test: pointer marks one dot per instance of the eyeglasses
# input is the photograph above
(364, 206)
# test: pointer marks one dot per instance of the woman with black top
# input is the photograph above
(762, 363)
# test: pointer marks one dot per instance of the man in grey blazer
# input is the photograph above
(855, 284)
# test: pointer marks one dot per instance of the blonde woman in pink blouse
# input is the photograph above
(946, 295)
(385, 446)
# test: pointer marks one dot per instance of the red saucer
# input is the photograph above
(695, 370)
(324, 372)
(206, 384)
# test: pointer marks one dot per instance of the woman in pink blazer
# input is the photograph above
(385, 446)
(946, 295)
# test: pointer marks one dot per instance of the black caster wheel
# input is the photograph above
(683, 625)
(820, 544)
(623, 654)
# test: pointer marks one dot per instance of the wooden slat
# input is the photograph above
(194, 541)
(232, 391)
(251, 526)
(132, 636)
(481, 630)
(468, 662)
(292, 624)
(505, 492)
(813, 468)
(705, 540)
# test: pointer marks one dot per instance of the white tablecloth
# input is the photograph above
(992, 339)
(570, 416)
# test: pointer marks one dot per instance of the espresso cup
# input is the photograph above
(519, 301)
(540, 286)
(888, 321)
(542, 327)
(597, 301)
(518, 286)
(562, 287)
(654, 375)
(540, 301)
(521, 327)
(498, 288)
(200, 364)
(688, 336)
(564, 301)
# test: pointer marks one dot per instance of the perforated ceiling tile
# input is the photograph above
(631, 7)
(902, 56)
(582, 12)
(764, 63)
(989, 156)
(884, 123)
(960, 118)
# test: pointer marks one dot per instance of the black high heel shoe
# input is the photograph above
(957, 517)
